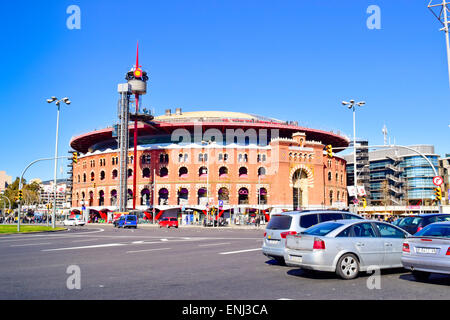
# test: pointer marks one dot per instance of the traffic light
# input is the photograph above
(364, 201)
(329, 149)
(20, 195)
(75, 157)
(437, 194)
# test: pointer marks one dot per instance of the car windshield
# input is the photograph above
(322, 229)
(435, 230)
(173, 219)
(280, 222)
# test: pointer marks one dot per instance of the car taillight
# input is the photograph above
(284, 234)
(265, 233)
(319, 244)
(448, 252)
(426, 240)
(405, 247)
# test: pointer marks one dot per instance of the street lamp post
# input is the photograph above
(352, 105)
(57, 102)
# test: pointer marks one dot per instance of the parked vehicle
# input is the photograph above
(346, 247)
(73, 222)
(126, 221)
(294, 222)
(416, 223)
(168, 222)
(428, 251)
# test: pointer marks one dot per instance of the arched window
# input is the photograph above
(163, 172)
(145, 197)
(201, 196)
(183, 195)
(163, 196)
(92, 176)
(243, 196)
(129, 173)
(262, 171)
(329, 176)
(101, 198)
(223, 194)
(183, 172)
(84, 177)
(203, 172)
(115, 174)
(146, 173)
(262, 196)
(223, 172)
(331, 197)
(113, 197)
(79, 179)
(102, 175)
(243, 172)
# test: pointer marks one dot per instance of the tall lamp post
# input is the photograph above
(352, 105)
(57, 102)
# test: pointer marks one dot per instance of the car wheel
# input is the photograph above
(421, 275)
(347, 267)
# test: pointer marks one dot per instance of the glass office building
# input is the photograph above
(399, 176)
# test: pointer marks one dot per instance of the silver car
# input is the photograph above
(346, 247)
(293, 222)
(428, 251)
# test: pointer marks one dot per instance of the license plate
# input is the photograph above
(270, 241)
(295, 258)
(426, 250)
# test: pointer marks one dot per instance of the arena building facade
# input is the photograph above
(241, 161)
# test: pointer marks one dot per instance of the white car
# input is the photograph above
(73, 222)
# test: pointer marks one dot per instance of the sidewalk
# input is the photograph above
(184, 226)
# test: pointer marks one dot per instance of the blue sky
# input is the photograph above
(291, 60)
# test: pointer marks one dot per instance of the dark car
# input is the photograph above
(416, 223)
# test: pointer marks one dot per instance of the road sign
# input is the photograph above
(220, 203)
(438, 181)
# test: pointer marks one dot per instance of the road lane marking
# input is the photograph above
(84, 240)
(148, 250)
(247, 250)
(213, 244)
(87, 247)
(29, 244)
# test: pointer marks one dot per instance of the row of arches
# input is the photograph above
(164, 172)
(182, 195)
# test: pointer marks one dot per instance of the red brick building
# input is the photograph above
(249, 162)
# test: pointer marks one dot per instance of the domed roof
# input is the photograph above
(213, 114)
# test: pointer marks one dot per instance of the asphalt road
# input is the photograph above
(192, 263)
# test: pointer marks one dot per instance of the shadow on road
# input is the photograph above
(434, 279)
(312, 274)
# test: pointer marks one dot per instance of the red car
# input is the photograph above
(168, 222)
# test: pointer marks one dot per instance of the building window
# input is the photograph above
(102, 175)
(92, 176)
(223, 172)
(243, 172)
(163, 172)
(130, 173)
(146, 173)
(146, 159)
(183, 172)
(261, 171)
(202, 172)
(163, 158)
(329, 176)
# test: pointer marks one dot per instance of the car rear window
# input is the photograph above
(410, 221)
(439, 218)
(322, 229)
(280, 222)
(330, 216)
(351, 216)
(173, 219)
(308, 220)
(132, 218)
(435, 230)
